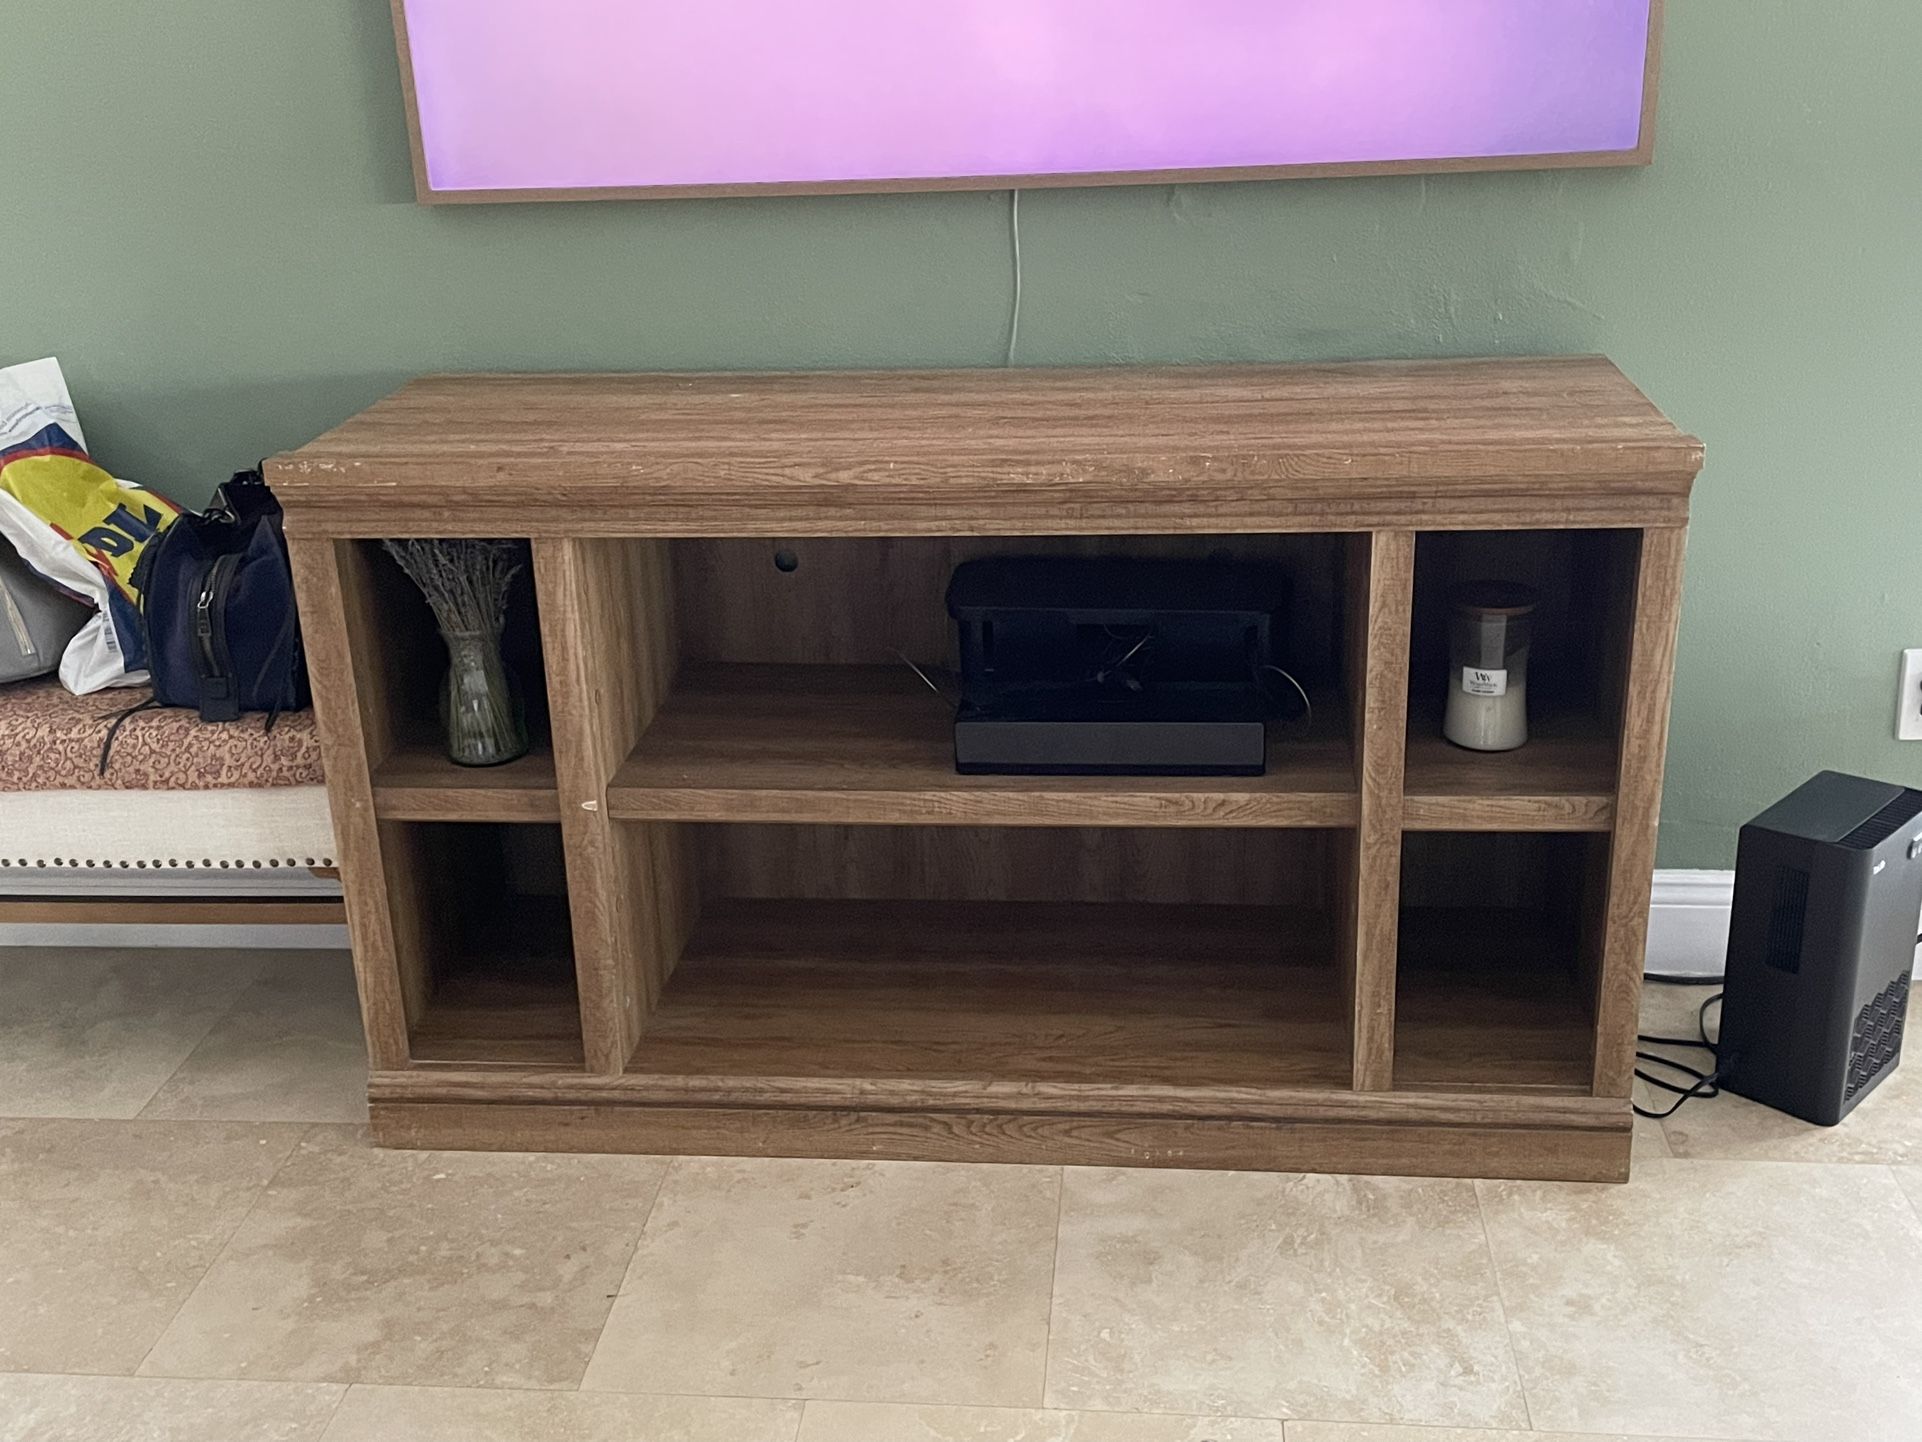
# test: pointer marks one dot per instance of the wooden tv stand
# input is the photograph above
(738, 901)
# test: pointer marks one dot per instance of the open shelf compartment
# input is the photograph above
(872, 744)
(1564, 778)
(406, 662)
(483, 928)
(795, 700)
(1185, 959)
(1500, 940)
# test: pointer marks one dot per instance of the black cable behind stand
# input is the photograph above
(1704, 1083)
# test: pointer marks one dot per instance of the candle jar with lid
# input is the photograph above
(1490, 625)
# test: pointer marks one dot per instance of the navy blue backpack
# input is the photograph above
(217, 598)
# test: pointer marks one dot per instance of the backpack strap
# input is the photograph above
(152, 703)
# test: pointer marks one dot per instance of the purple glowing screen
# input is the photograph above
(541, 94)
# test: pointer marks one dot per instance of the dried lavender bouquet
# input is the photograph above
(466, 583)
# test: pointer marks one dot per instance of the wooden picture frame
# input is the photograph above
(1642, 154)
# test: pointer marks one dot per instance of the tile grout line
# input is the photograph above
(341, 1401)
(225, 1243)
(1054, 1276)
(874, 1401)
(253, 980)
(1915, 1199)
(1501, 1303)
(1287, 1423)
(1855, 1163)
(1915, 1206)
(627, 1265)
(1450, 1429)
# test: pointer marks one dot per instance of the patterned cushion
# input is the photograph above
(50, 741)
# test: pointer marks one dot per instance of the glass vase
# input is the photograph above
(480, 704)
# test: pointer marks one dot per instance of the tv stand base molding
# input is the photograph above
(1581, 1140)
(737, 900)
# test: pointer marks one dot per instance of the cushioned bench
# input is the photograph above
(178, 793)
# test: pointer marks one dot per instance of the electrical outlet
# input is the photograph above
(1908, 713)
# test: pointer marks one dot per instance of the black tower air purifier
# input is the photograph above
(1828, 888)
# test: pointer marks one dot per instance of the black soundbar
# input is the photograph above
(1110, 748)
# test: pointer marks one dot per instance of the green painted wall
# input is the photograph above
(207, 214)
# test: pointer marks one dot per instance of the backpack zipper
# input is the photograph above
(218, 701)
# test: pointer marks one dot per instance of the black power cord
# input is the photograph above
(1703, 1083)
(1683, 979)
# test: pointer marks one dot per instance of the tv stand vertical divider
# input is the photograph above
(736, 899)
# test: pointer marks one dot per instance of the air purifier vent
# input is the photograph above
(1884, 824)
(1877, 1040)
(1787, 918)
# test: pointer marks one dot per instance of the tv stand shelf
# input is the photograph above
(737, 899)
(873, 745)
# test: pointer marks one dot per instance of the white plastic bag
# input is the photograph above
(75, 525)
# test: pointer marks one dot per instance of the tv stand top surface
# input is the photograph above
(1352, 446)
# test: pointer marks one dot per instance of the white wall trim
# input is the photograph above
(1688, 922)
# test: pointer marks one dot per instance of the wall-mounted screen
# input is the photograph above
(556, 99)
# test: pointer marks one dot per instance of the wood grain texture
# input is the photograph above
(1564, 1111)
(1092, 993)
(1061, 180)
(496, 944)
(1638, 805)
(1182, 450)
(873, 745)
(1524, 870)
(409, 871)
(510, 1021)
(1406, 1149)
(1652, 80)
(1488, 1001)
(1106, 997)
(398, 657)
(1383, 593)
(418, 783)
(1580, 622)
(1562, 780)
(869, 601)
(879, 957)
(353, 734)
(1345, 879)
(1238, 866)
(607, 625)
(424, 191)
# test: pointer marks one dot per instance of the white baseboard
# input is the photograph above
(1688, 923)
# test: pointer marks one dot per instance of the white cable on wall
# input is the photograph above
(1014, 310)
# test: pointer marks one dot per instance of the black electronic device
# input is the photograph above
(1117, 665)
(1822, 944)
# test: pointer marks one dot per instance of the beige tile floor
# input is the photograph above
(196, 1242)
